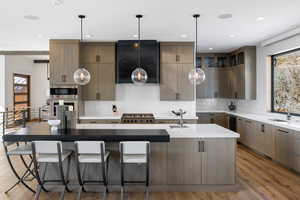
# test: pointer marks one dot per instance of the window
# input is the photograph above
(21, 94)
(286, 82)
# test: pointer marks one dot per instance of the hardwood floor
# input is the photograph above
(259, 178)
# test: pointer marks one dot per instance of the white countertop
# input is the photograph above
(193, 130)
(118, 116)
(292, 125)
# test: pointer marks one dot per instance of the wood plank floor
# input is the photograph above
(258, 177)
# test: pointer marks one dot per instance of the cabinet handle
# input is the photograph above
(203, 146)
(98, 58)
(283, 131)
(98, 96)
(216, 94)
(236, 95)
(199, 146)
(177, 96)
(262, 128)
(177, 58)
(63, 78)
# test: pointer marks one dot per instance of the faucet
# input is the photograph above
(288, 116)
(180, 113)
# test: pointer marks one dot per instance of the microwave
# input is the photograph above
(64, 93)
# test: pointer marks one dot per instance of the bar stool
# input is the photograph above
(45, 152)
(20, 150)
(87, 152)
(135, 153)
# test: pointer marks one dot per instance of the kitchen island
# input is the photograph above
(201, 157)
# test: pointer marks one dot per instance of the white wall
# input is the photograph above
(132, 98)
(2, 83)
(37, 72)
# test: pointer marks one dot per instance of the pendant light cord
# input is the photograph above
(139, 33)
(196, 16)
(81, 32)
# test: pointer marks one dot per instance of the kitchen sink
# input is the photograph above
(278, 120)
(178, 126)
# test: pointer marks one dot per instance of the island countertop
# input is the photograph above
(192, 130)
(42, 132)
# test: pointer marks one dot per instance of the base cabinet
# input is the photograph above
(284, 148)
(213, 118)
(208, 161)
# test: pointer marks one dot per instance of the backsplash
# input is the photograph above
(134, 98)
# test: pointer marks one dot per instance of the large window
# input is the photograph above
(286, 82)
(21, 94)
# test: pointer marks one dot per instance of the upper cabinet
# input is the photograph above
(230, 75)
(99, 59)
(64, 61)
(176, 61)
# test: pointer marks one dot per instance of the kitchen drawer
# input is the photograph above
(296, 163)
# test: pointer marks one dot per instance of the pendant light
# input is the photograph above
(139, 75)
(196, 75)
(81, 76)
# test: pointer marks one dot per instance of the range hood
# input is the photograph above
(127, 59)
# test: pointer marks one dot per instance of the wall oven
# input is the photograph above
(64, 93)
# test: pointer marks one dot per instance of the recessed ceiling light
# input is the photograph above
(88, 36)
(260, 19)
(211, 48)
(57, 2)
(31, 17)
(184, 35)
(135, 36)
(40, 36)
(225, 16)
(232, 35)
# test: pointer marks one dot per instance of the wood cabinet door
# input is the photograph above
(168, 54)
(71, 61)
(241, 130)
(64, 61)
(284, 146)
(57, 71)
(106, 54)
(90, 91)
(184, 163)
(250, 133)
(202, 90)
(88, 53)
(224, 82)
(218, 151)
(158, 163)
(240, 81)
(185, 88)
(205, 118)
(221, 120)
(259, 141)
(106, 82)
(269, 141)
(185, 54)
(168, 82)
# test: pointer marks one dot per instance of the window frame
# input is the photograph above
(273, 81)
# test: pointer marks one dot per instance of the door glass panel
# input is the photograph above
(21, 89)
(20, 80)
(21, 98)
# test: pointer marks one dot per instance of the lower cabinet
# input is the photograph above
(220, 119)
(209, 161)
(249, 131)
(240, 128)
(284, 148)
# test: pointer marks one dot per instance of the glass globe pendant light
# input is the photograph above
(196, 75)
(81, 76)
(139, 75)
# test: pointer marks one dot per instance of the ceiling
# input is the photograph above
(164, 20)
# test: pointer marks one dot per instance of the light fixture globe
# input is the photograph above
(196, 76)
(139, 76)
(82, 76)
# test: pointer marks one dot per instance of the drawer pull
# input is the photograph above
(283, 131)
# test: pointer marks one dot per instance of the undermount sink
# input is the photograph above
(178, 126)
(278, 120)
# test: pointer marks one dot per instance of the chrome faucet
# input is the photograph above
(288, 116)
(180, 113)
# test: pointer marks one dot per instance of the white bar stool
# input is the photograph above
(45, 152)
(135, 153)
(87, 152)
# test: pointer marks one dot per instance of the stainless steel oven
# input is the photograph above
(64, 93)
